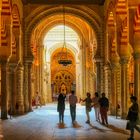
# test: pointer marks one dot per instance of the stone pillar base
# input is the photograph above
(123, 116)
(113, 111)
(20, 110)
(4, 115)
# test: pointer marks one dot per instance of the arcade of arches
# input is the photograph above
(103, 43)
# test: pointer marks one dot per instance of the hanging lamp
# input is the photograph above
(63, 58)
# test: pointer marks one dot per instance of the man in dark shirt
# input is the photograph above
(133, 116)
(104, 105)
(72, 102)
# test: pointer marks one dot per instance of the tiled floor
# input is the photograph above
(42, 124)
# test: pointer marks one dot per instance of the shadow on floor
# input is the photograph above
(61, 125)
(118, 130)
(76, 125)
(110, 128)
(97, 128)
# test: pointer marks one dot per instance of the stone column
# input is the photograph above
(114, 85)
(98, 76)
(124, 86)
(20, 100)
(113, 98)
(107, 80)
(102, 85)
(12, 86)
(137, 65)
(42, 92)
(81, 95)
(4, 95)
(137, 75)
(30, 85)
(25, 92)
(84, 71)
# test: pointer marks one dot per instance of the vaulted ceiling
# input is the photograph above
(99, 2)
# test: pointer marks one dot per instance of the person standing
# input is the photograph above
(72, 102)
(88, 102)
(104, 106)
(96, 106)
(133, 116)
(61, 107)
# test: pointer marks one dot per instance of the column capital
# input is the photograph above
(20, 66)
(3, 59)
(115, 66)
(124, 60)
(136, 56)
(29, 59)
(107, 65)
(98, 59)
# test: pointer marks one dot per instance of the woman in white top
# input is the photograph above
(96, 106)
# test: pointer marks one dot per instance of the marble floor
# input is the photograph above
(42, 124)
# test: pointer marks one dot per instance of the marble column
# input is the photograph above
(124, 86)
(4, 94)
(137, 75)
(20, 100)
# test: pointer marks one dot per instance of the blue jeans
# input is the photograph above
(73, 112)
(133, 126)
(61, 116)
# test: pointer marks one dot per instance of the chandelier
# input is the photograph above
(63, 58)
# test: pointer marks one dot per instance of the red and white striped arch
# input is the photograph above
(15, 16)
(6, 7)
(137, 20)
